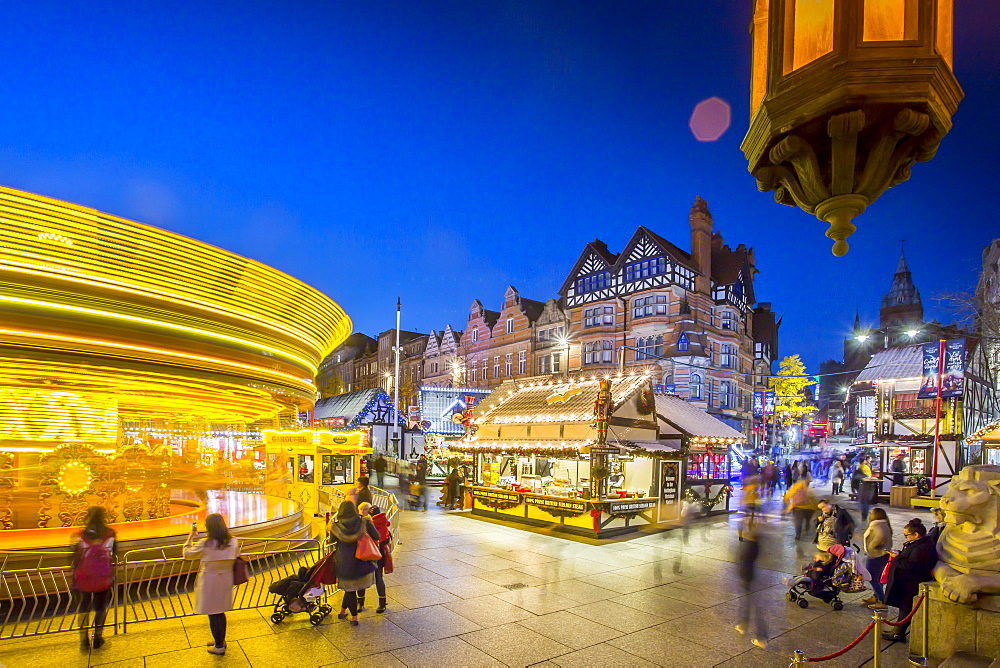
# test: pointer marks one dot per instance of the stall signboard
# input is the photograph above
(497, 495)
(670, 476)
(604, 449)
(631, 506)
(556, 504)
(953, 370)
(439, 404)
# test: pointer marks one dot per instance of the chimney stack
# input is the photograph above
(701, 244)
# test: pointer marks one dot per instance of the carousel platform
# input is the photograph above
(248, 514)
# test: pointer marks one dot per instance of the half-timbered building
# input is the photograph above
(685, 316)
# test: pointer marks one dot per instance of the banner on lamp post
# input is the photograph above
(758, 403)
(953, 373)
(769, 400)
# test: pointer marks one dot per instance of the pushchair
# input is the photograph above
(303, 592)
(826, 581)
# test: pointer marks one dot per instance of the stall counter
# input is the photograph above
(586, 517)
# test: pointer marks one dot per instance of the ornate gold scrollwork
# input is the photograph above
(6, 491)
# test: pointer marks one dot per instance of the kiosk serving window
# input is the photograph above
(338, 470)
(307, 468)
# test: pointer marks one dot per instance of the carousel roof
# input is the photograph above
(672, 411)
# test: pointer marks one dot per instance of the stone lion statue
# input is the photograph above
(969, 545)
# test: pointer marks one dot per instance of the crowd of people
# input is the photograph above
(894, 575)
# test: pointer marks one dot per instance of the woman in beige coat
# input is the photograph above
(878, 542)
(213, 591)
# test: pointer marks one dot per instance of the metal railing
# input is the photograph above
(37, 595)
(158, 583)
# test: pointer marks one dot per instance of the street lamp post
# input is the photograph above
(845, 96)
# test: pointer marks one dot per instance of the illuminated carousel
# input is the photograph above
(138, 371)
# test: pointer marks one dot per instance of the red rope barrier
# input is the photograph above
(846, 649)
(907, 618)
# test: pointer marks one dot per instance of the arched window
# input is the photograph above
(695, 386)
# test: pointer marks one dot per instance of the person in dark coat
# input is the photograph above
(912, 565)
(353, 575)
(898, 469)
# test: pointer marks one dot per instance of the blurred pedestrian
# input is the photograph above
(360, 492)
(213, 590)
(93, 573)
(898, 469)
(801, 503)
(353, 575)
(380, 466)
(836, 526)
(837, 477)
(878, 542)
(751, 618)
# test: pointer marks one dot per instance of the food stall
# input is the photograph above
(707, 443)
(583, 456)
(987, 442)
(313, 466)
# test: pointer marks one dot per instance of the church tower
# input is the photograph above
(901, 306)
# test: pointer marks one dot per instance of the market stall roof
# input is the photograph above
(544, 399)
(894, 364)
(361, 407)
(677, 414)
(990, 432)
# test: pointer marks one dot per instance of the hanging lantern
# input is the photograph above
(845, 96)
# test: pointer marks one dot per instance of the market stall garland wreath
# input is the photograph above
(695, 497)
(645, 402)
(498, 504)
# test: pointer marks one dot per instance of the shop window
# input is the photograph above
(307, 468)
(338, 470)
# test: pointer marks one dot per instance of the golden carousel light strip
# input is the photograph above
(298, 382)
(158, 323)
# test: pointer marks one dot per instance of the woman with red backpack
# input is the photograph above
(213, 591)
(93, 571)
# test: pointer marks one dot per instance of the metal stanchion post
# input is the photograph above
(925, 634)
(798, 659)
(877, 660)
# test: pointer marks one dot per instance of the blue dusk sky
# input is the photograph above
(441, 151)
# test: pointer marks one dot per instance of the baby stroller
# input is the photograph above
(303, 591)
(826, 581)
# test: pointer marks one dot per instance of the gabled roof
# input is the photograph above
(695, 340)
(347, 406)
(894, 364)
(675, 414)
(597, 248)
(675, 253)
(532, 308)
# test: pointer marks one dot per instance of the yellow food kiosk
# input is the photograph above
(313, 466)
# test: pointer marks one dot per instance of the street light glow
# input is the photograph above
(862, 337)
(912, 332)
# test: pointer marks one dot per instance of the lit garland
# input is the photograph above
(695, 497)
(980, 435)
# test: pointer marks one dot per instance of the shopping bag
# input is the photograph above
(367, 549)
(241, 574)
(885, 571)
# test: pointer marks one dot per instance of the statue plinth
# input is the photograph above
(973, 628)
